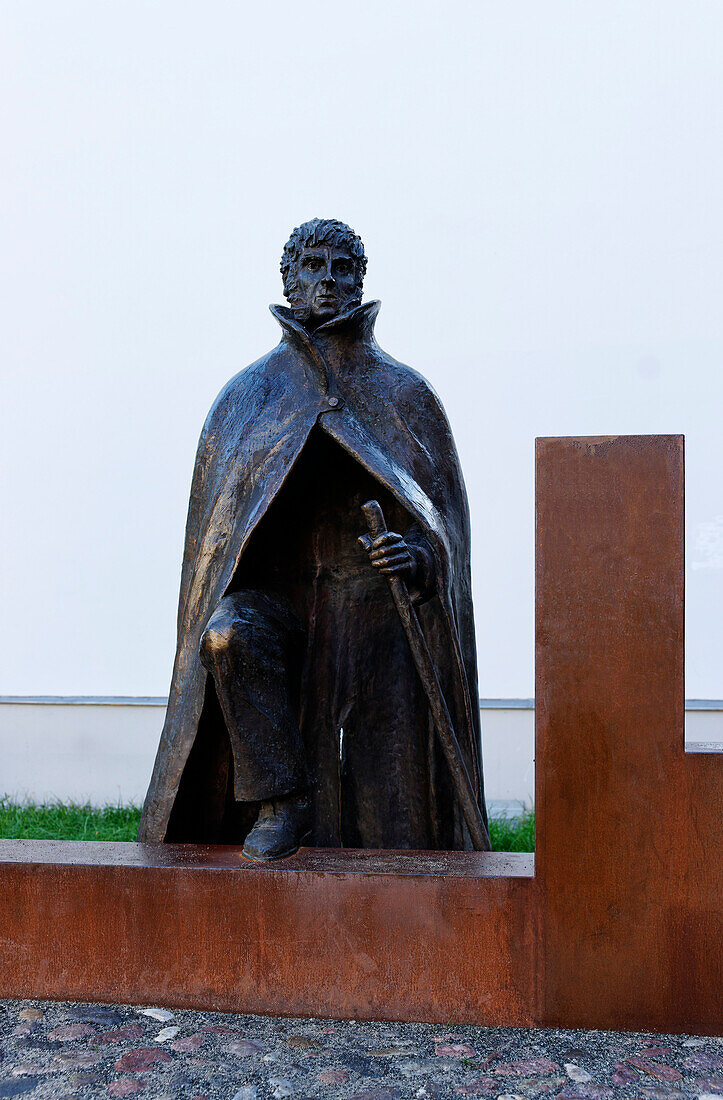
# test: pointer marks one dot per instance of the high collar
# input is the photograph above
(356, 323)
(329, 349)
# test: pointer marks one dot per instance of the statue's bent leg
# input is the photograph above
(251, 646)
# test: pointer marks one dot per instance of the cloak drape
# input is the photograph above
(387, 419)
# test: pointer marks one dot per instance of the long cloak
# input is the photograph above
(388, 419)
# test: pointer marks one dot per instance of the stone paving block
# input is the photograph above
(222, 1056)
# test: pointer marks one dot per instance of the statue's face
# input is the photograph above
(326, 282)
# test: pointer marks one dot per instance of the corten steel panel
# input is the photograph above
(629, 828)
(426, 936)
(620, 928)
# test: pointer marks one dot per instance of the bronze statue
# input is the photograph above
(296, 712)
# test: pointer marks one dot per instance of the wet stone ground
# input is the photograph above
(63, 1050)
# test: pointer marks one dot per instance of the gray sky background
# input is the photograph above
(538, 186)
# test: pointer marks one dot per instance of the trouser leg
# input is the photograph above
(251, 647)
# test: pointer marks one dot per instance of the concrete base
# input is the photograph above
(101, 751)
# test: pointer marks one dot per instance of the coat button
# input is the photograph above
(333, 402)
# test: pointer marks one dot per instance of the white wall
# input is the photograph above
(538, 186)
(103, 753)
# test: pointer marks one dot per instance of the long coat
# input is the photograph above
(388, 419)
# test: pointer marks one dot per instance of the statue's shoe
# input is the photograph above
(281, 828)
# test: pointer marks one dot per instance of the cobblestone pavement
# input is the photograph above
(62, 1050)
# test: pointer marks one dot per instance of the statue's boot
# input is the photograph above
(281, 828)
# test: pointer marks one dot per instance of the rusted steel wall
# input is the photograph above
(377, 936)
(629, 828)
(621, 926)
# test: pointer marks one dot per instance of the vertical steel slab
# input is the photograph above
(629, 829)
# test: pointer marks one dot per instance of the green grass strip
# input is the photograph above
(72, 821)
(515, 834)
(67, 821)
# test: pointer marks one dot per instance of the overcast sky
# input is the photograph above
(538, 186)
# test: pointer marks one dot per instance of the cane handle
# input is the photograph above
(375, 518)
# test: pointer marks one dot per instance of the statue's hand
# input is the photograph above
(390, 554)
(409, 558)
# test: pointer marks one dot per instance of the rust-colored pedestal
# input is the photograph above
(350, 934)
(617, 923)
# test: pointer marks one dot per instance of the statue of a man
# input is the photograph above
(296, 713)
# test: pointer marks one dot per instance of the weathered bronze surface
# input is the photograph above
(621, 924)
(473, 816)
(295, 700)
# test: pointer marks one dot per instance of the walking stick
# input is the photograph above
(437, 704)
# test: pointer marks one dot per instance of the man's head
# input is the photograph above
(323, 268)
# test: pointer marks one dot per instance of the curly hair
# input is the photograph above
(320, 231)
